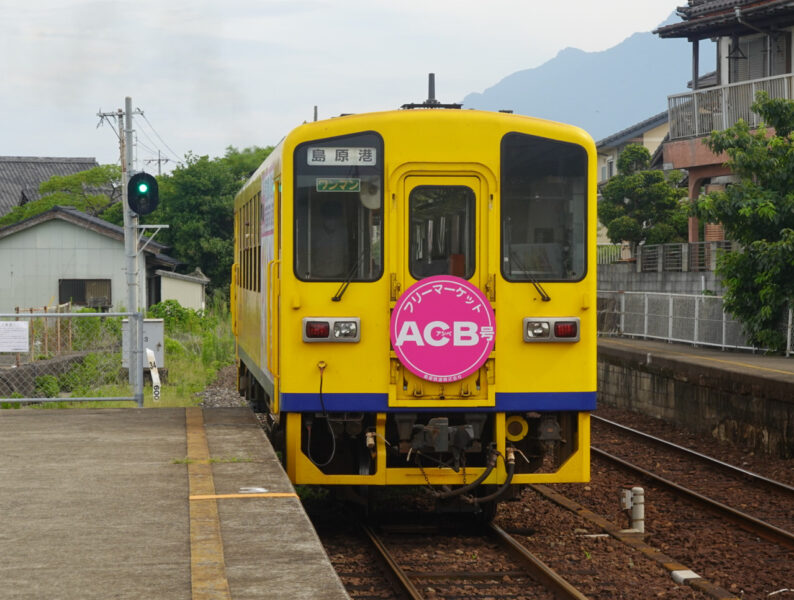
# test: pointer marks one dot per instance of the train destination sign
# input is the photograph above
(442, 328)
(321, 156)
(338, 184)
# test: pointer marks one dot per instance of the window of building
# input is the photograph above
(93, 293)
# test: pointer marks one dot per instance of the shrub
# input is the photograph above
(47, 386)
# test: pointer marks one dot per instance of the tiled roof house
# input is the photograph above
(754, 52)
(20, 176)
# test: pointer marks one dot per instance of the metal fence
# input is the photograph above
(701, 112)
(71, 357)
(693, 256)
(688, 318)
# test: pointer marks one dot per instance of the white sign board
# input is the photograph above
(14, 336)
(325, 156)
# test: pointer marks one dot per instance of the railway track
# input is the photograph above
(508, 569)
(758, 504)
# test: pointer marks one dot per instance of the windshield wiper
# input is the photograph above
(543, 295)
(352, 273)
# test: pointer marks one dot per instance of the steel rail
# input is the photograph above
(402, 577)
(531, 565)
(748, 522)
(704, 457)
(537, 568)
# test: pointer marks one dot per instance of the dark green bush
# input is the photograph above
(47, 386)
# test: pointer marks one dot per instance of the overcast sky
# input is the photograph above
(208, 74)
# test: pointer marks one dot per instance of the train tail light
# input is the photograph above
(317, 329)
(566, 329)
(551, 329)
(331, 329)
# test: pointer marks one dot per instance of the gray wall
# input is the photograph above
(624, 277)
(750, 411)
(33, 260)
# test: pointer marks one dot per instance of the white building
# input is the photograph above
(65, 255)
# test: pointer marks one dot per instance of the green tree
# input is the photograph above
(758, 212)
(88, 191)
(639, 204)
(197, 203)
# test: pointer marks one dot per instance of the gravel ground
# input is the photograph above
(603, 567)
(222, 393)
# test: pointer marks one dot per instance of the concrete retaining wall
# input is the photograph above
(748, 410)
(624, 277)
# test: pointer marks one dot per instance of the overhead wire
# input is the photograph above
(159, 137)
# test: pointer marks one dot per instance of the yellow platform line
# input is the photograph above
(207, 564)
(256, 495)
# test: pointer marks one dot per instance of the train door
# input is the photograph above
(271, 262)
(444, 232)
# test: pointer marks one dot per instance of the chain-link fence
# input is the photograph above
(688, 318)
(64, 356)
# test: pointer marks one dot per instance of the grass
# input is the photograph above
(197, 346)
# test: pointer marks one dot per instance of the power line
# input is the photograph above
(159, 137)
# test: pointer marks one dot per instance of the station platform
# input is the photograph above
(685, 358)
(739, 397)
(156, 503)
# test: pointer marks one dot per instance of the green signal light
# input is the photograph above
(143, 188)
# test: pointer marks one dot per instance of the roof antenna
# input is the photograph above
(431, 90)
(431, 101)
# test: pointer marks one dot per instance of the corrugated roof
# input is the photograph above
(20, 176)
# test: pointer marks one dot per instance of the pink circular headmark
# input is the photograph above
(442, 328)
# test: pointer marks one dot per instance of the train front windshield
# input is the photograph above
(339, 209)
(544, 209)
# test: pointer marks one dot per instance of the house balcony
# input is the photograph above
(698, 113)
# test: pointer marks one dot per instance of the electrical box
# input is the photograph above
(153, 335)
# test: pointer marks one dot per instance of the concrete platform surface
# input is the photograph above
(773, 368)
(153, 503)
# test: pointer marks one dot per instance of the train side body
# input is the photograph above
(503, 202)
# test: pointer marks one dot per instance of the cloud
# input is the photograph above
(244, 72)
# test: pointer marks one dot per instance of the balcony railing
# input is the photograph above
(701, 112)
(693, 256)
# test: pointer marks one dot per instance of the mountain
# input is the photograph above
(602, 92)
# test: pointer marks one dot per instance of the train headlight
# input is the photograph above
(346, 329)
(551, 330)
(331, 329)
(537, 329)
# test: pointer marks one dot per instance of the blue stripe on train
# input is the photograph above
(505, 402)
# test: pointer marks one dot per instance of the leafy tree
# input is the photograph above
(197, 203)
(86, 191)
(639, 204)
(758, 212)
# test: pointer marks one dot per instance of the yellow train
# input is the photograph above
(414, 300)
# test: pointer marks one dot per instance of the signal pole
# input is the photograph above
(135, 339)
(131, 251)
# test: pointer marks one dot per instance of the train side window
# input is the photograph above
(442, 231)
(339, 209)
(543, 209)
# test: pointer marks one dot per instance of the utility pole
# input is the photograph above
(135, 338)
(159, 160)
(131, 252)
